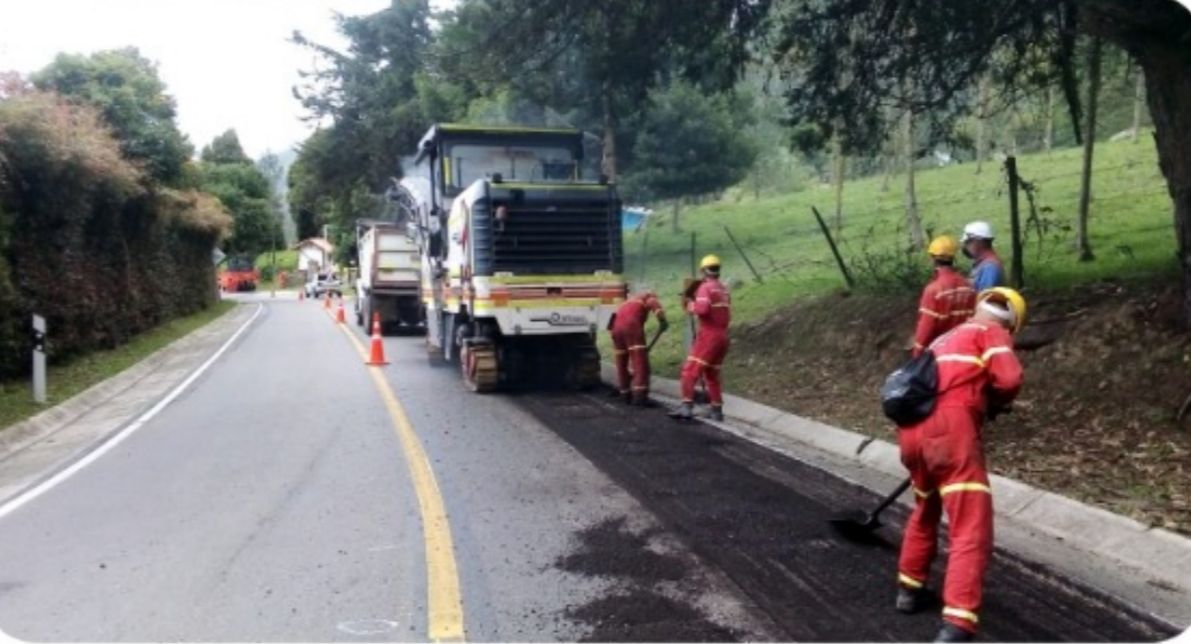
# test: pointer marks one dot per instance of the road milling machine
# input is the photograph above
(522, 257)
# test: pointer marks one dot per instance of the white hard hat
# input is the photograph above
(978, 230)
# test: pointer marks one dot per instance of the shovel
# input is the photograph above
(859, 523)
(657, 336)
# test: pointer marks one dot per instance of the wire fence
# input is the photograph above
(1130, 224)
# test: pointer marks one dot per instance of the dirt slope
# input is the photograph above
(1097, 416)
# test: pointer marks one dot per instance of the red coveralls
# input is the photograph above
(628, 336)
(977, 366)
(946, 302)
(713, 306)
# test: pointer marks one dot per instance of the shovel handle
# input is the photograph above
(905, 485)
(657, 336)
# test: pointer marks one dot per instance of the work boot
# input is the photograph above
(716, 412)
(684, 412)
(641, 399)
(952, 633)
(910, 601)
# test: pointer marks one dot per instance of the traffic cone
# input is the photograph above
(327, 301)
(376, 322)
(377, 354)
(339, 316)
(301, 295)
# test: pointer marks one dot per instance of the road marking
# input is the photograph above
(65, 473)
(445, 612)
(367, 626)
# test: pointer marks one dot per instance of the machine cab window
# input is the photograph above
(460, 155)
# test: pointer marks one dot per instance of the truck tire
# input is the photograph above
(367, 311)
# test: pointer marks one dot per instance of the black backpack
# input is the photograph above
(909, 393)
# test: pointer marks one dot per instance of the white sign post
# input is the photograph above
(39, 331)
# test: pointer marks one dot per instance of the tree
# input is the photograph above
(822, 41)
(1082, 244)
(606, 56)
(126, 89)
(689, 143)
(224, 148)
(376, 93)
(244, 190)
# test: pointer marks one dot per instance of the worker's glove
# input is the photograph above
(663, 325)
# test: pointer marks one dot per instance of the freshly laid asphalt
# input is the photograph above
(274, 500)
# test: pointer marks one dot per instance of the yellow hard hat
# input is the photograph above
(943, 247)
(709, 261)
(1013, 301)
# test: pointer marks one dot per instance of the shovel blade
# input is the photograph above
(856, 520)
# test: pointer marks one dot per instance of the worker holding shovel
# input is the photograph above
(978, 376)
(712, 305)
(632, 353)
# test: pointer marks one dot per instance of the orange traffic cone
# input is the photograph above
(339, 317)
(327, 301)
(376, 322)
(377, 354)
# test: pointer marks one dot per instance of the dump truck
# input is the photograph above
(389, 283)
(521, 255)
(239, 274)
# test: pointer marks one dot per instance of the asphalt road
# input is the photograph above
(292, 493)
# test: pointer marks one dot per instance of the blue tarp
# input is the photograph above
(632, 218)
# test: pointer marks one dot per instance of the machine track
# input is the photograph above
(761, 518)
(481, 371)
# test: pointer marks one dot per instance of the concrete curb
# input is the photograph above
(32, 430)
(1156, 552)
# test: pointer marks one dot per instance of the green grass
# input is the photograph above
(1131, 227)
(287, 260)
(66, 380)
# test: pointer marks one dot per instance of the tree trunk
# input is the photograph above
(837, 180)
(913, 222)
(1083, 246)
(608, 162)
(1139, 97)
(981, 122)
(1168, 94)
(674, 216)
(1048, 136)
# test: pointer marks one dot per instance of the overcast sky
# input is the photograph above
(228, 63)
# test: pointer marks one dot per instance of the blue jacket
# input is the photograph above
(988, 272)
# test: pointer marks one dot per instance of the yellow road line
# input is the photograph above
(445, 613)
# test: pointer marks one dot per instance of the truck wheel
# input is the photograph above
(367, 315)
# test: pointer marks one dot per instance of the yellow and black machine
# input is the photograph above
(522, 257)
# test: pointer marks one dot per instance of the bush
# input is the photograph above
(86, 239)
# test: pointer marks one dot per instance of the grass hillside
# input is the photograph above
(1131, 231)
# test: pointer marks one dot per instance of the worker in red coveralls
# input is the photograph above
(632, 353)
(979, 376)
(947, 300)
(712, 304)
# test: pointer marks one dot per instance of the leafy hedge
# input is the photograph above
(87, 239)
